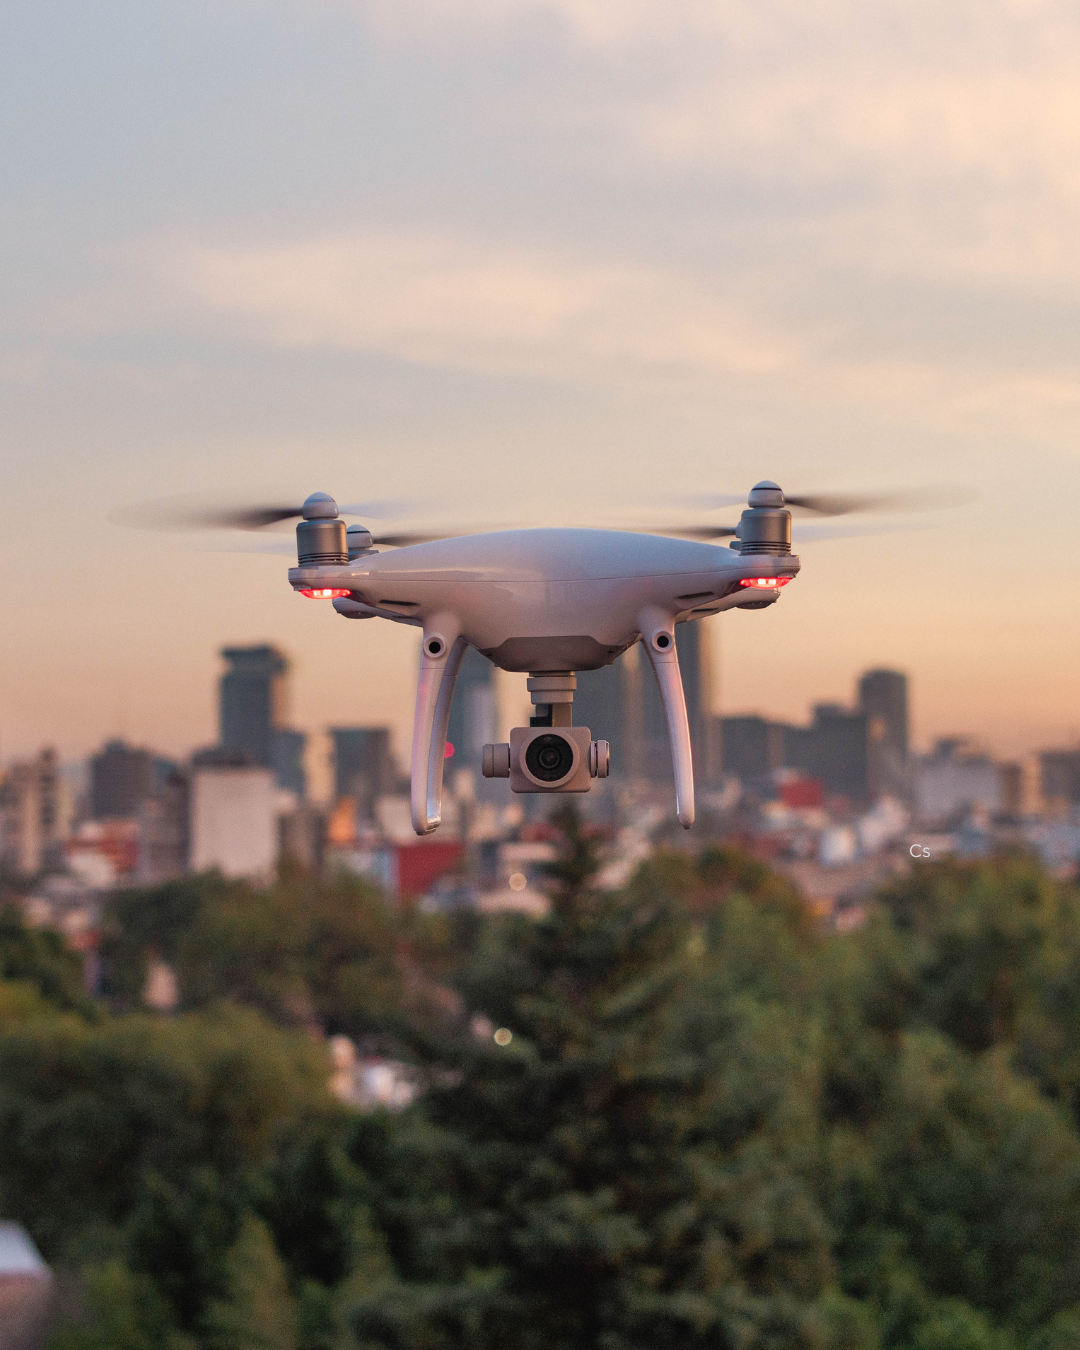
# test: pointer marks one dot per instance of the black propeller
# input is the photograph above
(697, 531)
(896, 501)
(205, 513)
(926, 498)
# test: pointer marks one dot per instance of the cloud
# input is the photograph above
(449, 301)
(444, 300)
(922, 138)
(926, 30)
(868, 204)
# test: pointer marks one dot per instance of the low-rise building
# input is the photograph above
(955, 779)
(234, 821)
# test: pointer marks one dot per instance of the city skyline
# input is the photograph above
(511, 706)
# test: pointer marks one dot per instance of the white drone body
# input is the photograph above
(544, 601)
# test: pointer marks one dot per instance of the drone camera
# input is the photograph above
(546, 759)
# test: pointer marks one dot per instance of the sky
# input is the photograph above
(537, 260)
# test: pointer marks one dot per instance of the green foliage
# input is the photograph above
(89, 1113)
(120, 1311)
(304, 951)
(22, 1001)
(38, 957)
(968, 948)
(953, 1325)
(716, 1124)
(702, 885)
(257, 1312)
(968, 1181)
(597, 1181)
(1060, 1333)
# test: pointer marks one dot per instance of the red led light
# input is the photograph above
(765, 583)
(448, 751)
(326, 593)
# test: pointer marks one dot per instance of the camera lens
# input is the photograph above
(549, 758)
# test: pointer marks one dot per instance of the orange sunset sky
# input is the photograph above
(543, 261)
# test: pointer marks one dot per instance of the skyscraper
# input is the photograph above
(1060, 775)
(474, 713)
(288, 762)
(252, 701)
(164, 829)
(253, 713)
(601, 704)
(883, 699)
(621, 704)
(836, 751)
(121, 779)
(363, 766)
(751, 747)
(35, 813)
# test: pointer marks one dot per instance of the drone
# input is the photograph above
(548, 602)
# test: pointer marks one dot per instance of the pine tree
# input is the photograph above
(257, 1312)
(565, 1193)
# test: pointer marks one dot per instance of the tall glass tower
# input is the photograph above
(252, 713)
(474, 714)
(883, 699)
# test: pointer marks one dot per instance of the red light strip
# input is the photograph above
(765, 583)
(328, 593)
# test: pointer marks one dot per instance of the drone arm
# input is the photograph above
(440, 661)
(658, 639)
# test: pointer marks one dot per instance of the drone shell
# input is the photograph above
(547, 599)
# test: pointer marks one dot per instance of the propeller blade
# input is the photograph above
(244, 518)
(209, 513)
(285, 547)
(803, 532)
(695, 531)
(902, 499)
(404, 540)
(927, 498)
(199, 513)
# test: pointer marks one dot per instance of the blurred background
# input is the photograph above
(509, 262)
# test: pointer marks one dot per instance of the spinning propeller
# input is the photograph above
(820, 504)
(199, 513)
(203, 513)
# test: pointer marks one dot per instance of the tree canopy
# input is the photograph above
(714, 1123)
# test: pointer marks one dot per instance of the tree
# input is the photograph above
(571, 1189)
(119, 1311)
(327, 954)
(257, 1312)
(89, 1113)
(39, 957)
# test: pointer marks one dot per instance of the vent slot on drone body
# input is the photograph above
(697, 595)
(396, 604)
